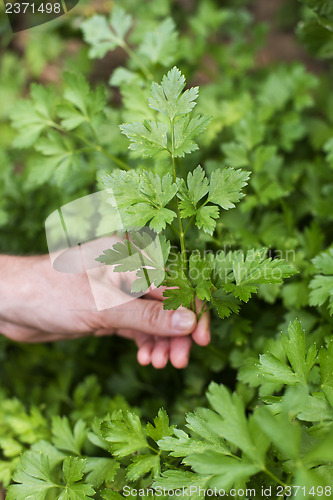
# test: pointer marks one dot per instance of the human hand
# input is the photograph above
(39, 304)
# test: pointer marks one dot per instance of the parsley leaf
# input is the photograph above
(142, 198)
(186, 129)
(169, 98)
(322, 284)
(125, 433)
(104, 36)
(31, 117)
(225, 187)
(147, 138)
(144, 254)
(160, 45)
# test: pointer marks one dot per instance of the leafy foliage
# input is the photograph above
(269, 136)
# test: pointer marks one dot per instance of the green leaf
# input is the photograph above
(31, 117)
(226, 185)
(326, 362)
(226, 471)
(183, 293)
(143, 464)
(161, 427)
(186, 129)
(100, 470)
(256, 269)
(160, 45)
(285, 435)
(66, 439)
(205, 218)
(322, 284)
(225, 303)
(294, 347)
(175, 479)
(104, 36)
(73, 469)
(111, 495)
(142, 198)
(193, 192)
(146, 255)
(34, 476)
(125, 434)
(276, 370)
(147, 138)
(236, 154)
(169, 99)
(81, 104)
(231, 424)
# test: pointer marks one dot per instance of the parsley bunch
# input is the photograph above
(223, 279)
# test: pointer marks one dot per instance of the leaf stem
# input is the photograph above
(274, 477)
(96, 147)
(137, 61)
(180, 222)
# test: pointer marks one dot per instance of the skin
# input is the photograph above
(40, 304)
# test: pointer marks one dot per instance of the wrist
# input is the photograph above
(16, 281)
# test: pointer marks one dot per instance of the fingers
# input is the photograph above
(159, 350)
(148, 316)
(160, 353)
(201, 334)
(145, 352)
(180, 351)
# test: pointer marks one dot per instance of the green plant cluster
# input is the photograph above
(90, 429)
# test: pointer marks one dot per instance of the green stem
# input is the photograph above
(137, 61)
(273, 476)
(96, 147)
(180, 222)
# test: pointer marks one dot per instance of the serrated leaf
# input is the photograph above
(125, 435)
(276, 370)
(255, 269)
(205, 218)
(142, 198)
(73, 469)
(147, 138)
(160, 45)
(294, 347)
(226, 471)
(233, 426)
(169, 99)
(34, 476)
(225, 303)
(143, 464)
(161, 427)
(32, 117)
(185, 131)
(174, 479)
(192, 192)
(66, 439)
(285, 435)
(100, 470)
(105, 36)
(226, 185)
(322, 284)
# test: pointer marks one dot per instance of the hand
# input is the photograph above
(40, 304)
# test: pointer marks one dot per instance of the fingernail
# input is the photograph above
(183, 319)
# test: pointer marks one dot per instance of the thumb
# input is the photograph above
(148, 316)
